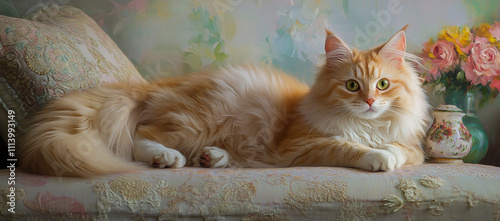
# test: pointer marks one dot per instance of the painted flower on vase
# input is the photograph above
(464, 133)
(445, 131)
(448, 139)
(441, 131)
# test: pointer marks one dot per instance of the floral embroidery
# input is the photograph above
(436, 207)
(393, 203)
(353, 210)
(45, 202)
(472, 201)
(250, 194)
(131, 188)
(238, 192)
(329, 191)
(410, 190)
(431, 181)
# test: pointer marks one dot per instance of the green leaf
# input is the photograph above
(193, 61)
(221, 56)
(345, 6)
(217, 49)
(461, 75)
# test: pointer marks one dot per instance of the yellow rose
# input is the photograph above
(484, 31)
(463, 40)
(449, 33)
(460, 37)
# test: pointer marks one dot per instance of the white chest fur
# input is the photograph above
(373, 133)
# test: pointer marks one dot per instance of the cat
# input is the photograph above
(366, 110)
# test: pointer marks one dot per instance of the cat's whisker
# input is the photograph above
(402, 108)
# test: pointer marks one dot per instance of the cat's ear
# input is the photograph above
(337, 52)
(394, 49)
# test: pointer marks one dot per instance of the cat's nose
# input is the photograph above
(369, 101)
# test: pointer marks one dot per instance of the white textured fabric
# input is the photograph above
(425, 192)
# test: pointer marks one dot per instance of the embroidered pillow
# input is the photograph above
(53, 52)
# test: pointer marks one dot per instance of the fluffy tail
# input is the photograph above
(83, 135)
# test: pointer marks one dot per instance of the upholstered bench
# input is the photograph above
(425, 192)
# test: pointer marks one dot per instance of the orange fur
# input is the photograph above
(260, 116)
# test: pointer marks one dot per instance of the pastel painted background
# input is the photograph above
(169, 37)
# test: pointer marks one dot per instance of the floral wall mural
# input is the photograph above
(166, 37)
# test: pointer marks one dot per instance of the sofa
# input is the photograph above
(59, 50)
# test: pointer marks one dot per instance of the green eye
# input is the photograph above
(383, 84)
(352, 85)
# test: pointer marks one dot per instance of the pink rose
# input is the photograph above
(445, 57)
(483, 63)
(495, 83)
(495, 30)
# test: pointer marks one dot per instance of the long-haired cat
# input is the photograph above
(365, 110)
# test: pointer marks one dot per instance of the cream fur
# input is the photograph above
(240, 117)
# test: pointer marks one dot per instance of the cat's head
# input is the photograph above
(366, 84)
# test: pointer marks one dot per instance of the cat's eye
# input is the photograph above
(383, 84)
(352, 85)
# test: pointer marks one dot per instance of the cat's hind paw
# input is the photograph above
(169, 159)
(377, 160)
(212, 157)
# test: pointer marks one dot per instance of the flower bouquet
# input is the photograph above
(465, 60)
(465, 64)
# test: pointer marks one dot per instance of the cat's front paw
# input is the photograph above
(212, 157)
(377, 160)
(400, 157)
(169, 159)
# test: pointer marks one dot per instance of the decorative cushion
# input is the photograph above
(424, 192)
(53, 52)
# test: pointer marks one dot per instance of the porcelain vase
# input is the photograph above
(467, 102)
(448, 139)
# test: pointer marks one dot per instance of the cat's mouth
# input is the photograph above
(370, 113)
(370, 109)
